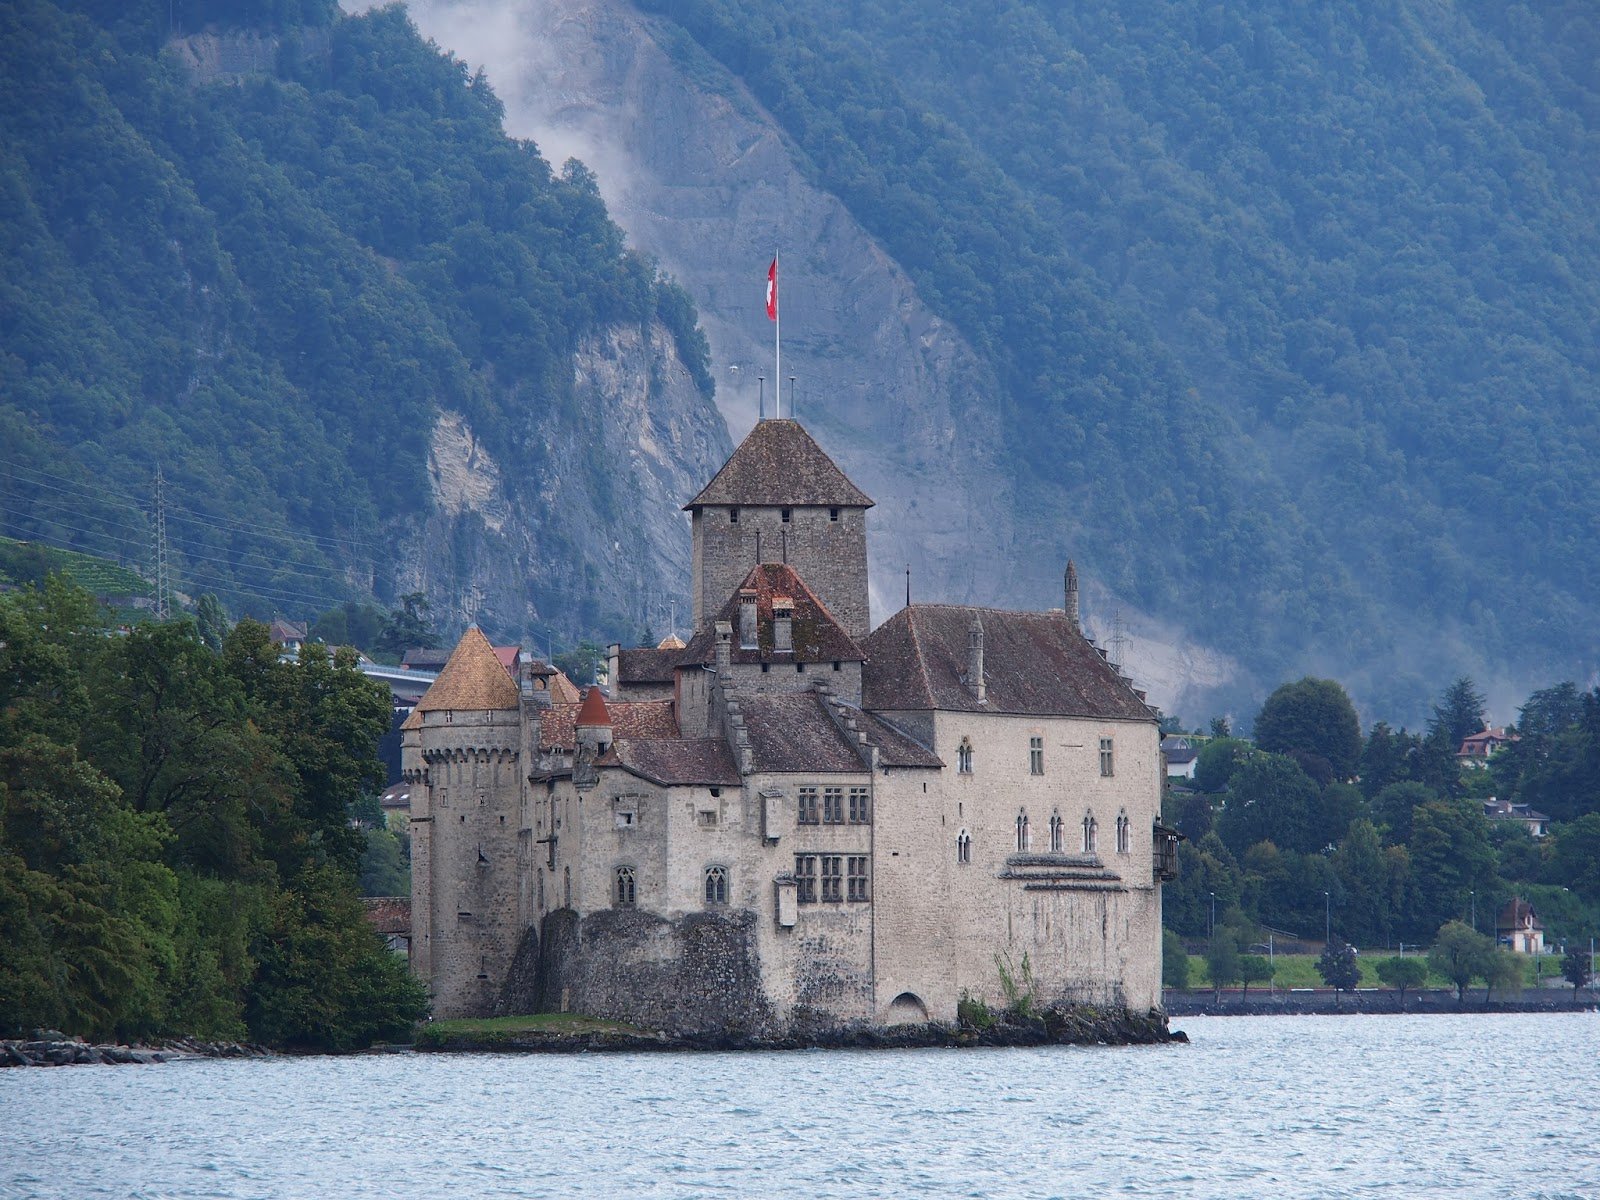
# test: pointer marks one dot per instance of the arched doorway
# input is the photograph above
(906, 1009)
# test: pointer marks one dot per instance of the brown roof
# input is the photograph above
(472, 680)
(779, 464)
(648, 665)
(642, 719)
(793, 732)
(814, 632)
(593, 710)
(896, 747)
(705, 762)
(671, 642)
(412, 721)
(389, 914)
(1034, 663)
(425, 658)
(396, 796)
(281, 631)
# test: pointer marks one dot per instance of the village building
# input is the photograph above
(793, 820)
(1519, 929)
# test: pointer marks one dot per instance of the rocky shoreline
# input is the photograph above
(51, 1048)
(1068, 1027)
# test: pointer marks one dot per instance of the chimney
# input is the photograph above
(724, 649)
(613, 665)
(1072, 597)
(747, 621)
(975, 660)
(782, 624)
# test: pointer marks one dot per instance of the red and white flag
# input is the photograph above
(772, 291)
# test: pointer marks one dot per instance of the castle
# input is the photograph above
(793, 821)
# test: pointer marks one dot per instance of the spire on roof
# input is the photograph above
(472, 680)
(1072, 597)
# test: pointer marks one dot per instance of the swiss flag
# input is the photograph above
(772, 291)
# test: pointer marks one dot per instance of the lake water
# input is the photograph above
(1490, 1106)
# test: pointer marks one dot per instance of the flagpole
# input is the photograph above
(777, 337)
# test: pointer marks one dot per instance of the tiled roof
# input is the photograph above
(472, 680)
(896, 747)
(509, 657)
(648, 665)
(779, 464)
(425, 658)
(706, 762)
(792, 732)
(1034, 664)
(671, 642)
(388, 914)
(412, 721)
(639, 719)
(1517, 914)
(593, 709)
(815, 633)
(396, 796)
(281, 631)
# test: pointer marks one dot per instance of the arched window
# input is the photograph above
(964, 757)
(1091, 833)
(963, 847)
(1124, 832)
(1056, 825)
(716, 885)
(1023, 833)
(623, 891)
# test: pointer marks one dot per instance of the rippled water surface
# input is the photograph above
(1502, 1106)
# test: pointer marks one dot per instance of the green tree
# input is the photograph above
(582, 663)
(1218, 760)
(1174, 961)
(1450, 858)
(1460, 955)
(1314, 716)
(1363, 872)
(1338, 967)
(407, 627)
(1394, 805)
(1459, 712)
(1502, 972)
(1387, 758)
(1403, 974)
(1222, 959)
(1575, 968)
(1271, 799)
(211, 621)
(1254, 968)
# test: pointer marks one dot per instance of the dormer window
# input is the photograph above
(782, 626)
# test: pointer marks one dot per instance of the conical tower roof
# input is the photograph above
(593, 710)
(779, 464)
(472, 679)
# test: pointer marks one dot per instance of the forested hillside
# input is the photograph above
(1293, 307)
(269, 282)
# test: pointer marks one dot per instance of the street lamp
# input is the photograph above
(1474, 896)
(1327, 917)
(1211, 934)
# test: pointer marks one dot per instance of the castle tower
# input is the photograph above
(779, 498)
(465, 815)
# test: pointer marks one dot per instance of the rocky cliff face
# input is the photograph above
(701, 178)
(587, 525)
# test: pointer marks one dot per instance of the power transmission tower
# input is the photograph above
(1117, 645)
(163, 585)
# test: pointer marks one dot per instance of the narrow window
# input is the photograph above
(837, 665)
(716, 885)
(860, 810)
(1091, 833)
(733, 516)
(963, 847)
(807, 806)
(833, 514)
(624, 888)
(1105, 757)
(1056, 824)
(799, 668)
(1023, 835)
(964, 757)
(857, 879)
(1123, 833)
(832, 878)
(785, 514)
(833, 806)
(805, 878)
(1036, 756)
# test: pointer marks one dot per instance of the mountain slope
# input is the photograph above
(295, 266)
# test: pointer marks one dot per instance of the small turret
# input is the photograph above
(1072, 597)
(593, 726)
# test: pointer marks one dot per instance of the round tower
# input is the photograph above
(465, 817)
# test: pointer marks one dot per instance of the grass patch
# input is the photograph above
(507, 1028)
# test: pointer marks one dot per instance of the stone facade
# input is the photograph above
(811, 825)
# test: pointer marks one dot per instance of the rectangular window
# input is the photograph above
(833, 806)
(808, 806)
(833, 514)
(860, 807)
(805, 878)
(858, 879)
(832, 878)
(786, 515)
(1036, 756)
(1105, 757)
(733, 516)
